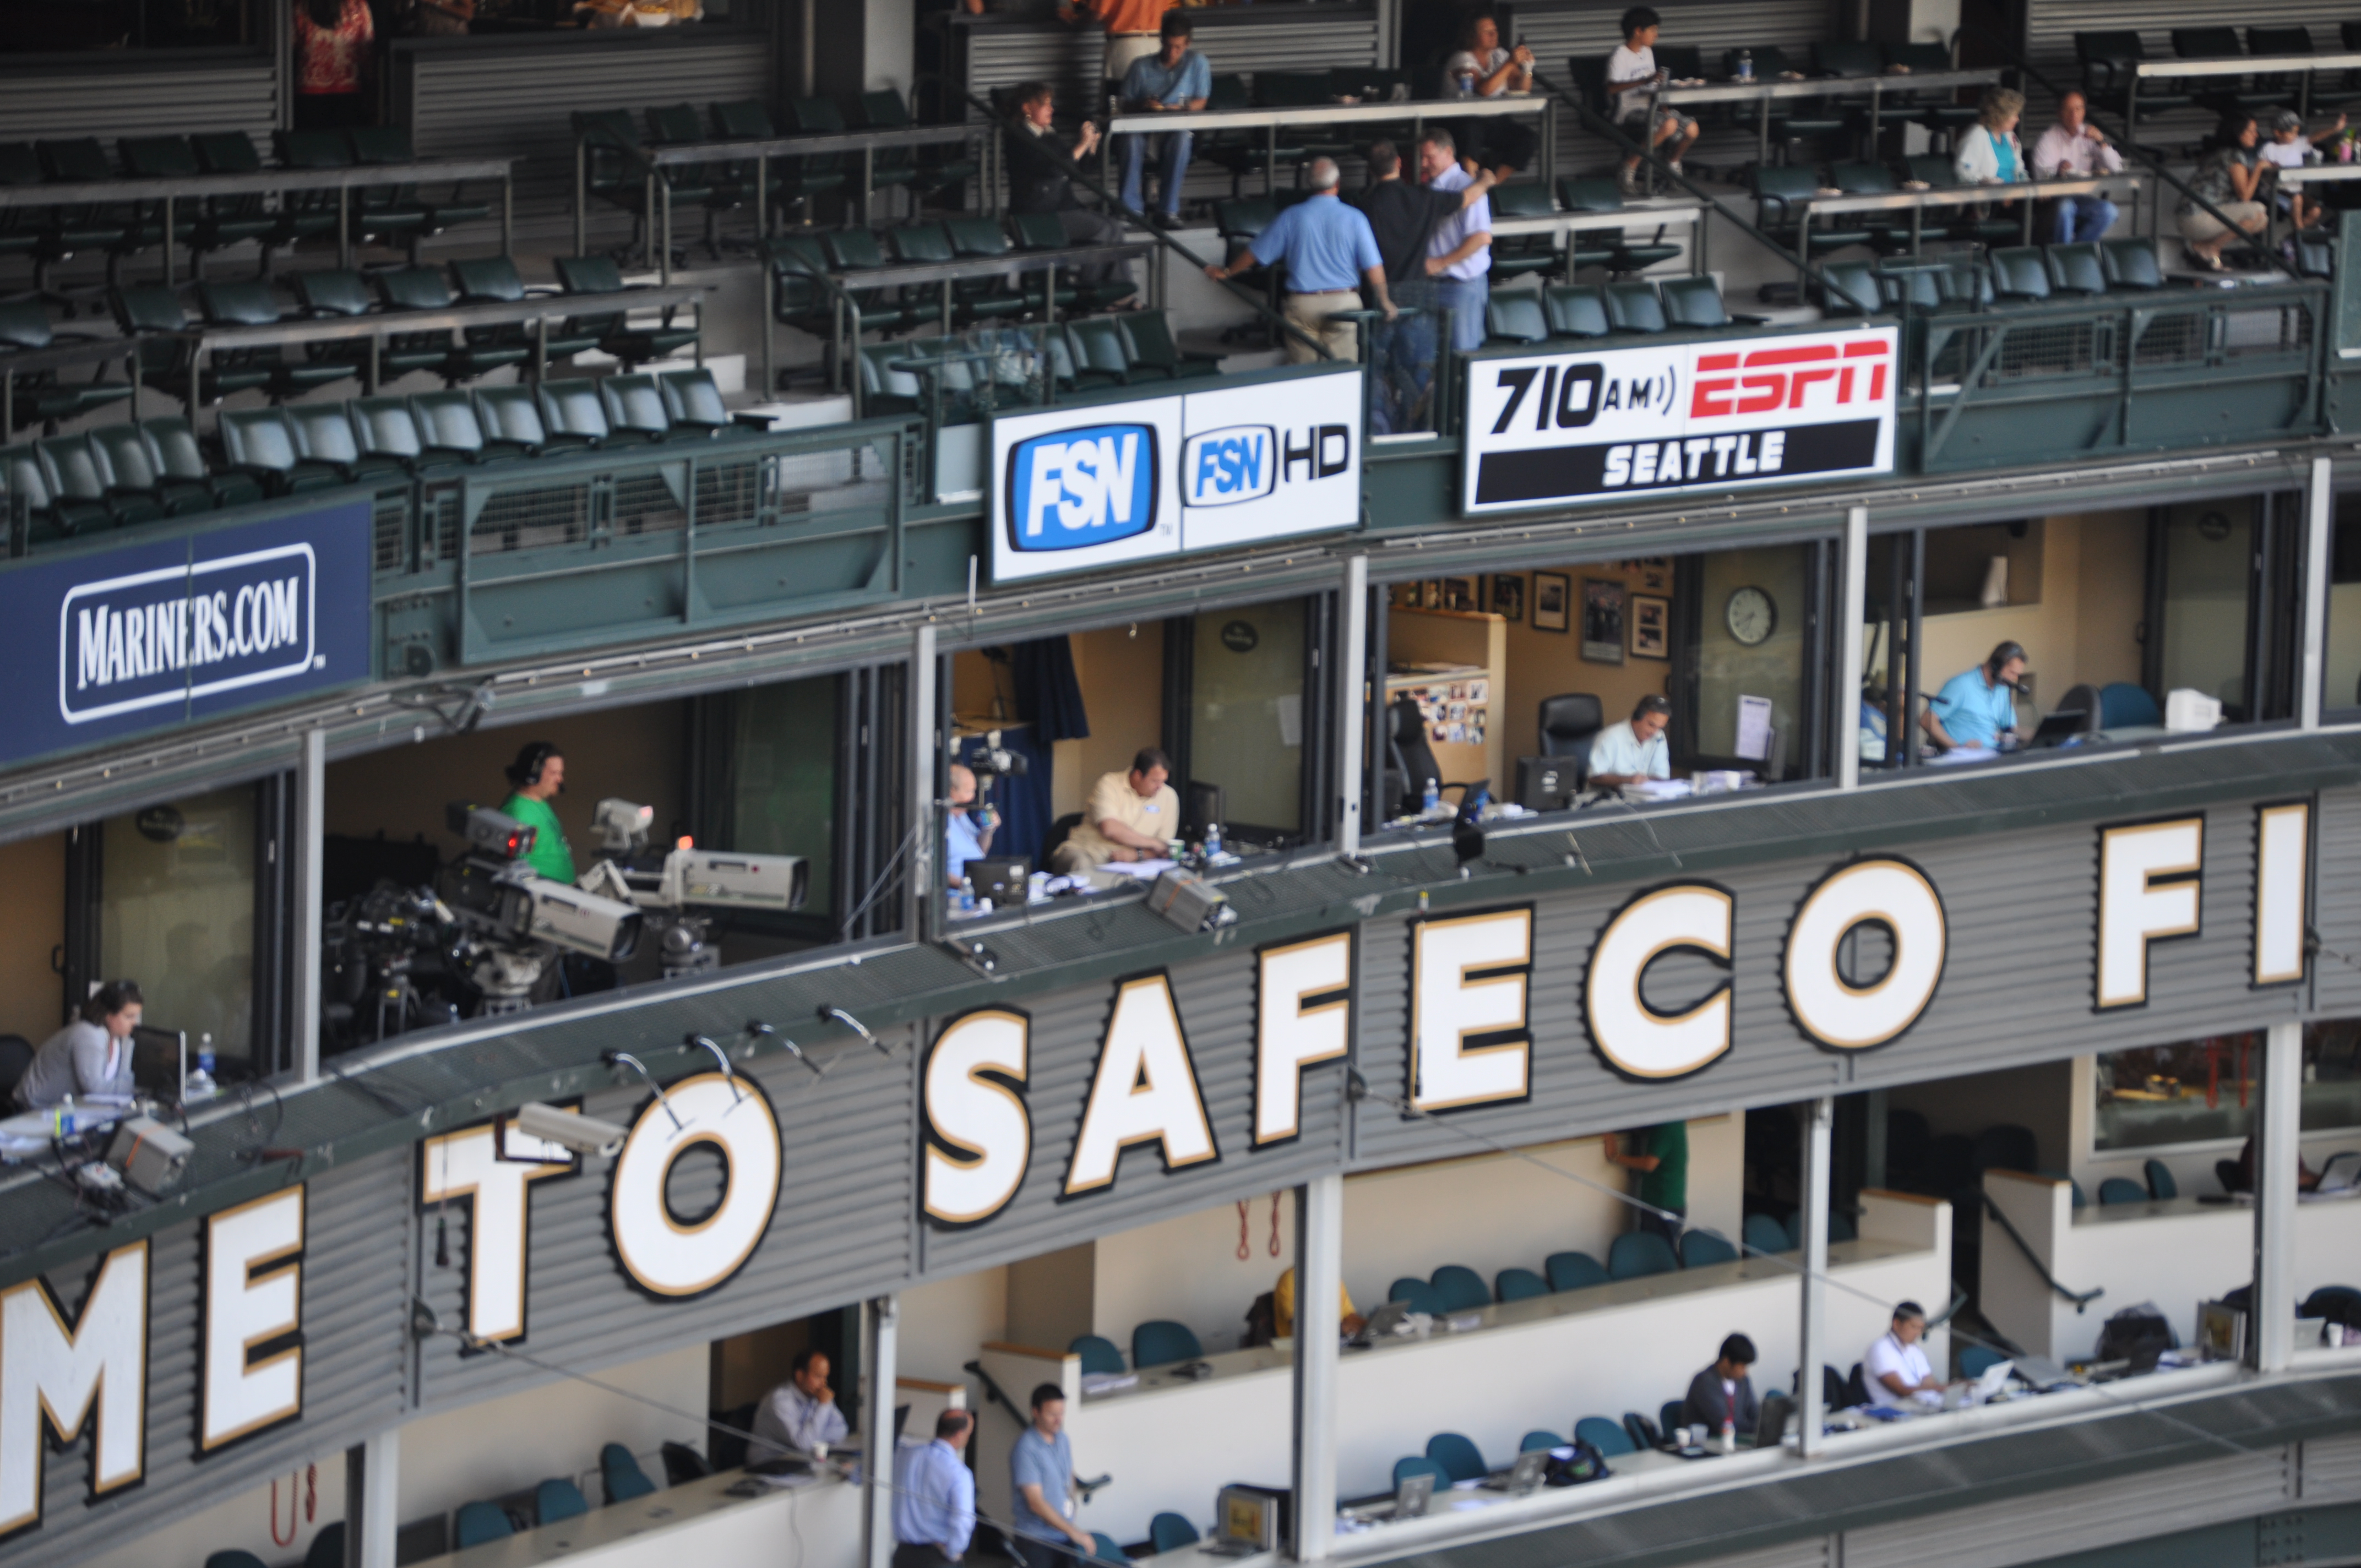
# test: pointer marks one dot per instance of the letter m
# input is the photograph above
(56, 1376)
(90, 660)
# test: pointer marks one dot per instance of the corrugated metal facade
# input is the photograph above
(98, 102)
(2052, 1524)
(1070, 59)
(2050, 27)
(354, 1282)
(1819, 1551)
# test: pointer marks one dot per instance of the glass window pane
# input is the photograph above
(2206, 553)
(2204, 1090)
(782, 783)
(176, 914)
(1246, 726)
(1749, 643)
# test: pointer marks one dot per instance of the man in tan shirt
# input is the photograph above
(1130, 817)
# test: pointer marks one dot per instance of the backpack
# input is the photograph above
(2138, 1334)
(1262, 1322)
(1586, 1464)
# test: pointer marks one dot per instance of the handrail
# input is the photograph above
(805, 146)
(1078, 181)
(2080, 1298)
(994, 1394)
(1317, 115)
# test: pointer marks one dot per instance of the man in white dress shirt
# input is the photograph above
(1898, 1374)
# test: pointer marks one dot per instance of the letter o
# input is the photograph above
(659, 1254)
(1894, 894)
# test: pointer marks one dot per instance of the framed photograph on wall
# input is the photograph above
(1509, 595)
(1459, 593)
(1553, 601)
(1655, 575)
(1651, 627)
(1602, 620)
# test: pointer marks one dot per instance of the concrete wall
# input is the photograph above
(2040, 1097)
(32, 923)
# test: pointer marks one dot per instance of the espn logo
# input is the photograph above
(1770, 380)
(1080, 487)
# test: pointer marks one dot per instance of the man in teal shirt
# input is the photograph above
(538, 777)
(1661, 1155)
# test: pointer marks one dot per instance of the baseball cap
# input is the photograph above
(2286, 120)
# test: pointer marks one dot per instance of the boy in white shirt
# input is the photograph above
(2288, 147)
(1632, 76)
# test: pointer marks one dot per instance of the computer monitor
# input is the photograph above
(1249, 1518)
(1203, 808)
(1543, 783)
(2058, 728)
(1414, 1494)
(1002, 880)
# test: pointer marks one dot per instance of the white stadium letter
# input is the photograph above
(983, 1126)
(661, 1255)
(466, 1166)
(1468, 981)
(2134, 907)
(253, 1307)
(55, 1374)
(1145, 1088)
(1634, 1038)
(2282, 872)
(1303, 1013)
(1891, 894)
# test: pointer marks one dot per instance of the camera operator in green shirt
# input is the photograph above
(1661, 1155)
(536, 778)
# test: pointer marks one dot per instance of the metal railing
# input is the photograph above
(61, 356)
(655, 185)
(2025, 193)
(280, 182)
(2300, 66)
(1763, 94)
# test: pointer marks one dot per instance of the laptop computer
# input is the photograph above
(1412, 1497)
(1001, 881)
(1382, 1323)
(1522, 1479)
(1246, 1521)
(2058, 728)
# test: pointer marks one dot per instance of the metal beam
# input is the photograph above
(2319, 530)
(921, 903)
(372, 1504)
(2270, 1330)
(881, 1326)
(1318, 1274)
(1352, 708)
(304, 960)
(1813, 1293)
(1845, 693)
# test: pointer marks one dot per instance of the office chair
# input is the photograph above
(1461, 1287)
(1099, 1354)
(1607, 1437)
(1763, 1233)
(1771, 1421)
(1519, 1285)
(1414, 760)
(1160, 1341)
(1569, 723)
(2160, 1184)
(1534, 1439)
(620, 1474)
(1701, 1247)
(1458, 1455)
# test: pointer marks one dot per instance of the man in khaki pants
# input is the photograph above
(1329, 250)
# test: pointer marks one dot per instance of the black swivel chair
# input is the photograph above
(1569, 723)
(16, 1056)
(1411, 762)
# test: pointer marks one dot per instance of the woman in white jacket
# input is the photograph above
(1988, 153)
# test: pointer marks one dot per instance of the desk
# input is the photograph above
(1172, 1444)
(2175, 1253)
(695, 1522)
(1415, 111)
(1687, 213)
(1762, 94)
(1915, 202)
(2299, 65)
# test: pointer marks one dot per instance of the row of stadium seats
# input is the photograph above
(122, 475)
(1131, 348)
(798, 261)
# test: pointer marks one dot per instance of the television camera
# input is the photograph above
(689, 886)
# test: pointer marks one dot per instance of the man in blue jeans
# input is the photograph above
(1175, 77)
(1459, 255)
(2074, 148)
(1041, 1474)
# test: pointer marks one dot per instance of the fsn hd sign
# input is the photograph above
(1079, 489)
(1548, 430)
(157, 633)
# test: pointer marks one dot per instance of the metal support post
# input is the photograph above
(1810, 1409)
(880, 1323)
(372, 1484)
(1845, 691)
(1319, 1276)
(1352, 708)
(922, 899)
(311, 825)
(2270, 1329)
(2319, 529)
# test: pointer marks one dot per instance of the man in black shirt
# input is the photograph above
(1040, 177)
(1403, 216)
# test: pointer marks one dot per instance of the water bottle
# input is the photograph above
(1746, 65)
(1213, 841)
(1433, 797)
(205, 1055)
(966, 899)
(1468, 84)
(1729, 1435)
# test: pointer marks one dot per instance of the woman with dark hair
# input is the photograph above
(2230, 178)
(333, 43)
(1979, 704)
(90, 1056)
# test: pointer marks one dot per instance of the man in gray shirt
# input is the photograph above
(1042, 1474)
(90, 1056)
(799, 1415)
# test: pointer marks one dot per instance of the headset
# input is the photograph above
(525, 772)
(1999, 661)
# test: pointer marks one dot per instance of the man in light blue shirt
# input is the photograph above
(800, 1416)
(1633, 750)
(1978, 706)
(934, 1497)
(967, 832)
(1041, 1477)
(1329, 248)
(1175, 77)
(1459, 253)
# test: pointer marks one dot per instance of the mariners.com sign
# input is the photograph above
(155, 633)
(1106, 484)
(1554, 429)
